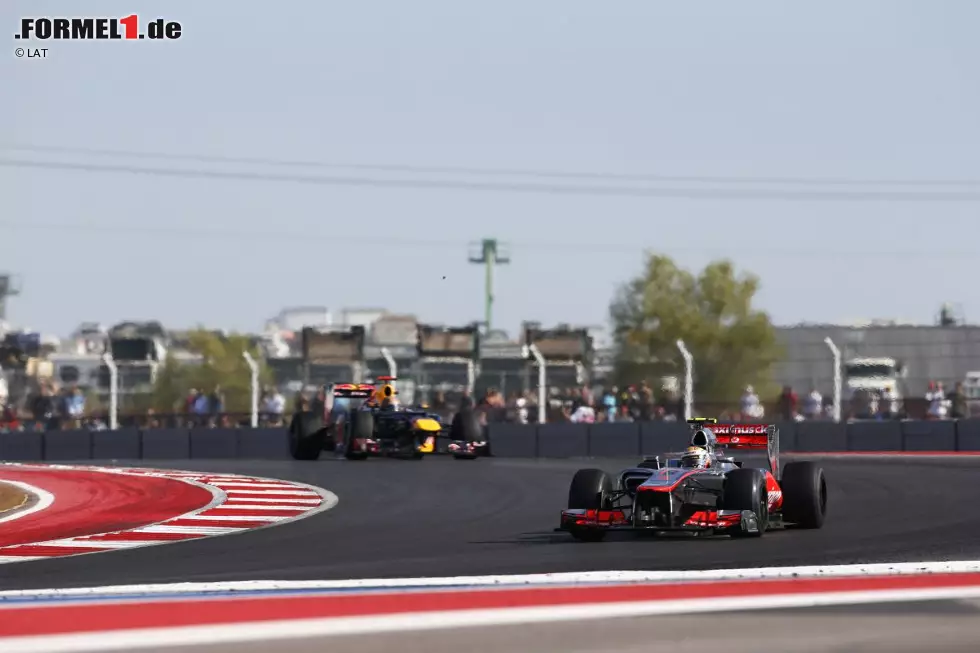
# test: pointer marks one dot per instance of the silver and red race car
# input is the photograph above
(701, 490)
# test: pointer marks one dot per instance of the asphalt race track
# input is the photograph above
(441, 517)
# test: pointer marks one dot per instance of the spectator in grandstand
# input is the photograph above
(751, 407)
(151, 421)
(788, 404)
(609, 400)
(74, 406)
(583, 414)
(813, 404)
(274, 406)
(959, 408)
(42, 406)
(492, 408)
(645, 401)
(190, 400)
(216, 401)
(938, 404)
(200, 408)
(625, 414)
(439, 404)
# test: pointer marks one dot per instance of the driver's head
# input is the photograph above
(695, 458)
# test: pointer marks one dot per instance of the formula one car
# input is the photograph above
(380, 426)
(373, 423)
(701, 490)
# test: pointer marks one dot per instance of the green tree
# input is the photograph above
(222, 365)
(732, 344)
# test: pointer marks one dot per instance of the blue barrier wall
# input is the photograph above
(506, 440)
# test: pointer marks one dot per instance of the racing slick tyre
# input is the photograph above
(307, 436)
(359, 431)
(466, 427)
(590, 490)
(745, 489)
(804, 494)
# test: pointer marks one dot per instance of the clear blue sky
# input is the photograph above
(860, 90)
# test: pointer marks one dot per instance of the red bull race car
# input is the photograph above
(701, 490)
(379, 425)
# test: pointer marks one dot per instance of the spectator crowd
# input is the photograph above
(52, 406)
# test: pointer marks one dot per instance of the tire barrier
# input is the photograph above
(606, 440)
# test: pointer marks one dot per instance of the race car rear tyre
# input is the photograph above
(360, 430)
(591, 489)
(307, 436)
(804, 494)
(745, 489)
(466, 427)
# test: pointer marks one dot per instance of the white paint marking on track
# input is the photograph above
(185, 530)
(263, 518)
(44, 499)
(249, 506)
(451, 619)
(279, 486)
(6, 559)
(570, 578)
(274, 493)
(285, 501)
(90, 544)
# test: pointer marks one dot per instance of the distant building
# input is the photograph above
(928, 353)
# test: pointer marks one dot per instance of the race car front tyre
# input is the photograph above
(591, 489)
(359, 431)
(307, 436)
(745, 489)
(804, 494)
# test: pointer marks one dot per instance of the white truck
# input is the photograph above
(874, 379)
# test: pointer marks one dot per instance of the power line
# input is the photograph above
(492, 172)
(507, 187)
(412, 244)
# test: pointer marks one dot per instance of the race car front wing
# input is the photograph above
(619, 520)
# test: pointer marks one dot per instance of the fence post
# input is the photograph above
(837, 377)
(254, 367)
(688, 379)
(113, 390)
(390, 360)
(470, 377)
(542, 380)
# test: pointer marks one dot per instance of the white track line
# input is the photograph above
(571, 578)
(44, 500)
(306, 628)
(285, 501)
(249, 506)
(277, 486)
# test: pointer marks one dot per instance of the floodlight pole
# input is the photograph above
(113, 390)
(390, 360)
(254, 387)
(490, 256)
(835, 352)
(688, 379)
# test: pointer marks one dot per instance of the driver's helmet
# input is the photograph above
(695, 458)
(386, 397)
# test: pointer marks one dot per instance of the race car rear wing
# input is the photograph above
(353, 390)
(707, 433)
